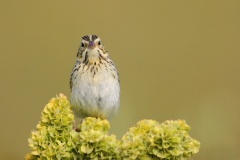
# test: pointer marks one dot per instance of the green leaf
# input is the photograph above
(86, 149)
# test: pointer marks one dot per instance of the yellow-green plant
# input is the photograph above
(151, 140)
(55, 138)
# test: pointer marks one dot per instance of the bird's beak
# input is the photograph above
(91, 45)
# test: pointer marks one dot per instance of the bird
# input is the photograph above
(94, 81)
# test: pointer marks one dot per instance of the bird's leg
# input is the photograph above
(75, 127)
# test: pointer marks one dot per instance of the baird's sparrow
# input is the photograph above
(94, 81)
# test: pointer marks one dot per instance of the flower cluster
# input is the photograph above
(55, 138)
(93, 141)
(151, 140)
(51, 139)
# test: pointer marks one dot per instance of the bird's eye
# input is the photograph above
(82, 44)
(99, 43)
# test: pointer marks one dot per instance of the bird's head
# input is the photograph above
(91, 49)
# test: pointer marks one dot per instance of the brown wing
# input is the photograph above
(70, 83)
(75, 69)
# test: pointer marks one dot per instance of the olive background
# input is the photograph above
(176, 60)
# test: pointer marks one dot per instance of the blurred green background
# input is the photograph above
(176, 60)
